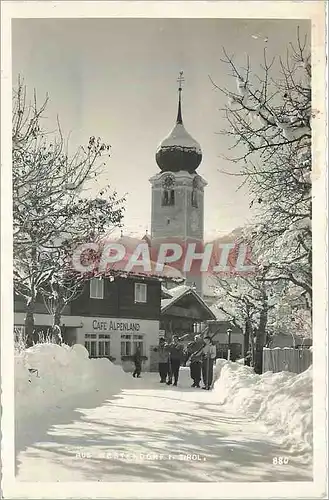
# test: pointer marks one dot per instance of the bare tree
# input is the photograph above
(269, 122)
(50, 214)
(247, 302)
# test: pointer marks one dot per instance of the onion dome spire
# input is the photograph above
(179, 151)
(180, 80)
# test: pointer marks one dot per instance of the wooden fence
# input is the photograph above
(286, 359)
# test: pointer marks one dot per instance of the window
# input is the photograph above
(125, 345)
(129, 344)
(194, 199)
(91, 346)
(140, 292)
(165, 198)
(104, 348)
(168, 197)
(98, 345)
(96, 288)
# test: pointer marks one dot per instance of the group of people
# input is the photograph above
(170, 357)
(201, 354)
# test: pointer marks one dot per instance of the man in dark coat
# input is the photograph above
(176, 355)
(194, 350)
(137, 358)
(163, 359)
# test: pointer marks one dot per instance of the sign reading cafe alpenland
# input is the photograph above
(110, 325)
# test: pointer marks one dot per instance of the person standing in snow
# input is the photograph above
(175, 359)
(208, 357)
(194, 352)
(137, 358)
(163, 359)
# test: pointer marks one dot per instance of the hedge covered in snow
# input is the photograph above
(283, 401)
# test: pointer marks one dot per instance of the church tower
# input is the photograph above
(178, 191)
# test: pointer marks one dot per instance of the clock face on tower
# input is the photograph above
(168, 181)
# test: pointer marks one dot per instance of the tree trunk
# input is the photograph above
(260, 341)
(252, 346)
(30, 306)
(29, 324)
(247, 349)
(57, 317)
(56, 330)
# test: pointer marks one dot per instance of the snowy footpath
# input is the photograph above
(147, 431)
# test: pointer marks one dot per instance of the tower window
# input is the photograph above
(168, 197)
(194, 199)
(172, 197)
(165, 198)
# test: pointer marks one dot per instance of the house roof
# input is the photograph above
(165, 292)
(180, 291)
(174, 293)
(220, 315)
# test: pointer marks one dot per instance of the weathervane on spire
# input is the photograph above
(180, 80)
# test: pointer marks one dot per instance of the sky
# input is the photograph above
(117, 79)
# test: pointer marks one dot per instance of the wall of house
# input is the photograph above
(80, 328)
(119, 300)
(40, 308)
(115, 328)
(107, 306)
(127, 306)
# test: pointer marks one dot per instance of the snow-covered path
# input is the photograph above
(151, 432)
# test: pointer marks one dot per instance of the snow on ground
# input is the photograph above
(86, 420)
(282, 401)
(51, 376)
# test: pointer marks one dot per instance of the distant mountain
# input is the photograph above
(209, 281)
(229, 237)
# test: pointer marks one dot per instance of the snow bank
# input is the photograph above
(48, 376)
(282, 401)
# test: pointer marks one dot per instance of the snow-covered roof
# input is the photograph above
(177, 293)
(179, 138)
(165, 294)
